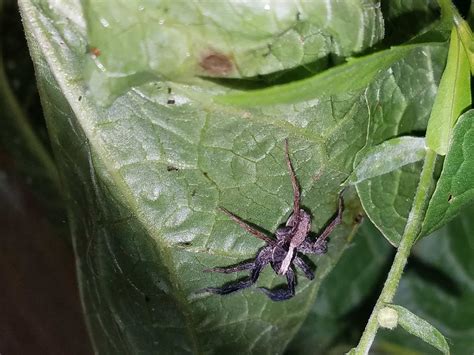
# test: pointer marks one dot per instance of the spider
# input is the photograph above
(284, 253)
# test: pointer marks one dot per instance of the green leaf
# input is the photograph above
(233, 39)
(333, 81)
(466, 37)
(453, 97)
(421, 328)
(144, 178)
(439, 287)
(387, 157)
(455, 186)
(405, 20)
(387, 200)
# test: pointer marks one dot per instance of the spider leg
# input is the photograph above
(319, 246)
(294, 183)
(248, 227)
(282, 294)
(232, 287)
(262, 259)
(233, 268)
(300, 263)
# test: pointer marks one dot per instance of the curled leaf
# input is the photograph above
(387, 157)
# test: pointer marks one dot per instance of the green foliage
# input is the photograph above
(178, 40)
(387, 157)
(439, 285)
(453, 98)
(421, 328)
(455, 187)
(148, 146)
(145, 179)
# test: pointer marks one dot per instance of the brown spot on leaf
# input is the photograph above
(171, 168)
(216, 64)
(170, 102)
(95, 51)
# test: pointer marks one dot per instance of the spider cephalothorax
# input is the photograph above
(284, 253)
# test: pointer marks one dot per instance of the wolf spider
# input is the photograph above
(284, 253)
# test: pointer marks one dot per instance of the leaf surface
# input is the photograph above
(232, 39)
(453, 98)
(421, 329)
(255, 36)
(455, 187)
(387, 199)
(361, 72)
(145, 175)
(387, 157)
(144, 178)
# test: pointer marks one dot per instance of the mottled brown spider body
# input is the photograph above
(284, 253)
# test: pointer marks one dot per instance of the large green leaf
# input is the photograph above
(145, 175)
(144, 178)
(455, 187)
(439, 287)
(179, 39)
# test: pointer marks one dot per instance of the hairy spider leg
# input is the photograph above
(248, 227)
(320, 245)
(300, 263)
(233, 268)
(262, 259)
(334, 223)
(294, 183)
(282, 294)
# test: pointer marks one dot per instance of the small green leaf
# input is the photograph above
(455, 187)
(387, 199)
(361, 72)
(453, 97)
(387, 157)
(466, 37)
(421, 328)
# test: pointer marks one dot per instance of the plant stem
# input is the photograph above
(9, 103)
(412, 229)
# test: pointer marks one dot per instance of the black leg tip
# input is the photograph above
(277, 295)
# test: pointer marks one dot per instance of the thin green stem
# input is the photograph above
(9, 103)
(412, 229)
